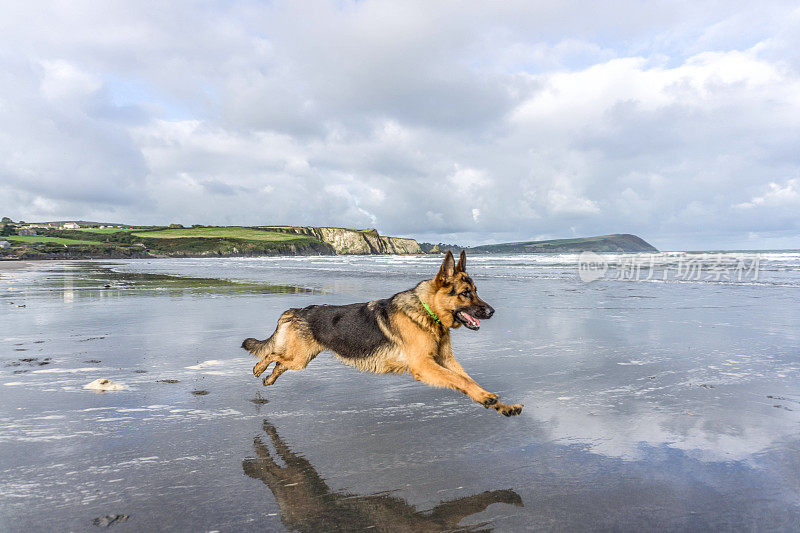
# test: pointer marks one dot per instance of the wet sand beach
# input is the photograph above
(669, 406)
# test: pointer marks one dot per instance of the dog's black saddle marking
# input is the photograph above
(349, 330)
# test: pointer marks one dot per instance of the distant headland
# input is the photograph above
(619, 242)
(94, 240)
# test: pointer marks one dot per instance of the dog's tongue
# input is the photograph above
(471, 319)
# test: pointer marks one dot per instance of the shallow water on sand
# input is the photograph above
(647, 405)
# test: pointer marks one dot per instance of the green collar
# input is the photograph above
(428, 309)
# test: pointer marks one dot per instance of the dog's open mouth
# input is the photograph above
(468, 320)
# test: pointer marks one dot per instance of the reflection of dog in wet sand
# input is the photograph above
(307, 503)
(407, 333)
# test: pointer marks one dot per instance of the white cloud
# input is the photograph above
(473, 121)
(776, 195)
(561, 203)
(63, 80)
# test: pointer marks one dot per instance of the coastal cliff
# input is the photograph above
(355, 241)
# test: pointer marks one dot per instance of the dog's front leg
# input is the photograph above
(448, 359)
(428, 371)
(449, 362)
(504, 409)
(492, 400)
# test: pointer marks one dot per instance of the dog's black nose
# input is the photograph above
(489, 310)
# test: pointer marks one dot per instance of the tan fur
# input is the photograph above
(291, 347)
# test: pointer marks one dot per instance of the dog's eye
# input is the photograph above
(465, 294)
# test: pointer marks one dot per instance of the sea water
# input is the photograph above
(661, 394)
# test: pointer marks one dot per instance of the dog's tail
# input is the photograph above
(257, 347)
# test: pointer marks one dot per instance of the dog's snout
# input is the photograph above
(488, 311)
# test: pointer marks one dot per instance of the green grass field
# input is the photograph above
(230, 232)
(101, 230)
(41, 238)
(361, 230)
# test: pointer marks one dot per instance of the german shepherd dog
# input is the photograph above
(407, 333)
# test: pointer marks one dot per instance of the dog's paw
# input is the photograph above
(509, 410)
(490, 399)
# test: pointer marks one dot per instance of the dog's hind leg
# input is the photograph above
(268, 350)
(262, 350)
(276, 372)
(262, 365)
(297, 350)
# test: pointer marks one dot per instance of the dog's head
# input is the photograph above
(456, 294)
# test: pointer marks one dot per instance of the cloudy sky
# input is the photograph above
(467, 122)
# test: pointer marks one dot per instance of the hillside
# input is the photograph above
(201, 241)
(104, 241)
(620, 242)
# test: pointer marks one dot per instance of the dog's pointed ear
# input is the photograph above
(462, 262)
(447, 270)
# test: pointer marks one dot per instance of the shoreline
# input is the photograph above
(16, 264)
(179, 256)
